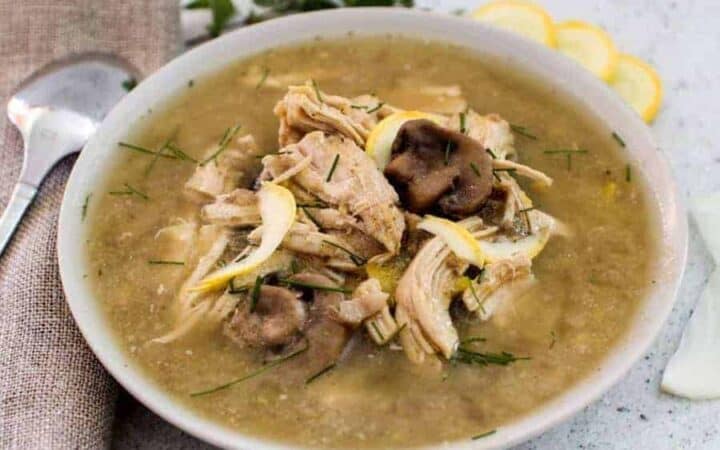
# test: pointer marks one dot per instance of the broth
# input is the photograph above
(590, 284)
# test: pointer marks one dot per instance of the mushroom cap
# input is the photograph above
(432, 167)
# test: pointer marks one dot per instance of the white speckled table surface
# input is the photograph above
(682, 40)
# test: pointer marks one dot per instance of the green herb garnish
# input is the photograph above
(472, 339)
(255, 373)
(477, 299)
(465, 356)
(316, 287)
(165, 262)
(264, 76)
(475, 169)
(486, 434)
(523, 131)
(222, 12)
(317, 91)
(130, 191)
(448, 149)
(463, 128)
(129, 84)
(377, 330)
(179, 153)
(392, 336)
(222, 145)
(356, 259)
(319, 205)
(255, 295)
(628, 173)
(618, 139)
(491, 153)
(333, 167)
(140, 149)
(320, 373)
(232, 289)
(85, 207)
(377, 107)
(311, 217)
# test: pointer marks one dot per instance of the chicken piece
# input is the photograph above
(423, 297)
(175, 242)
(304, 238)
(343, 176)
(236, 209)
(520, 169)
(490, 130)
(278, 317)
(494, 276)
(305, 109)
(367, 299)
(221, 174)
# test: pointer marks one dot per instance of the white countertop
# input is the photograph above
(682, 40)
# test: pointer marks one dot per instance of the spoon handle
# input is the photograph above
(22, 196)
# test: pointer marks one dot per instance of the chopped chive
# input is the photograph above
(266, 72)
(486, 434)
(523, 131)
(463, 128)
(179, 153)
(569, 161)
(475, 169)
(137, 148)
(85, 206)
(377, 330)
(526, 210)
(294, 266)
(222, 145)
(472, 339)
(568, 151)
(236, 290)
(465, 356)
(392, 336)
(492, 154)
(271, 153)
(130, 191)
(255, 373)
(320, 373)
(333, 167)
(191, 83)
(316, 287)
(311, 217)
(496, 177)
(359, 106)
(318, 205)
(448, 148)
(377, 107)
(618, 139)
(317, 91)
(509, 170)
(255, 296)
(164, 262)
(628, 173)
(356, 259)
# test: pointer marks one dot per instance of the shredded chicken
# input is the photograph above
(367, 300)
(523, 170)
(220, 174)
(237, 208)
(493, 276)
(490, 130)
(423, 297)
(345, 177)
(305, 109)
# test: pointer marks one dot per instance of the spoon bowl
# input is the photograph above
(56, 110)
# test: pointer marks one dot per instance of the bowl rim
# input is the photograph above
(548, 66)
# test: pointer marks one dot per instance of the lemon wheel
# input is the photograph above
(526, 19)
(639, 85)
(588, 45)
(379, 142)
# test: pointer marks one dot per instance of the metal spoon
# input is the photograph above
(57, 110)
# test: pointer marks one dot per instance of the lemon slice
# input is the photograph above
(530, 246)
(458, 238)
(379, 142)
(589, 45)
(523, 18)
(277, 211)
(639, 85)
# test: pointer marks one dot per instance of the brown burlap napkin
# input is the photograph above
(53, 392)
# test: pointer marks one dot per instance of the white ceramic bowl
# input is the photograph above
(562, 74)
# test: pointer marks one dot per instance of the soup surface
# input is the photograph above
(588, 286)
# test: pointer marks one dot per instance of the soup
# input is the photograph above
(380, 278)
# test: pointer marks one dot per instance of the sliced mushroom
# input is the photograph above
(432, 165)
(277, 318)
